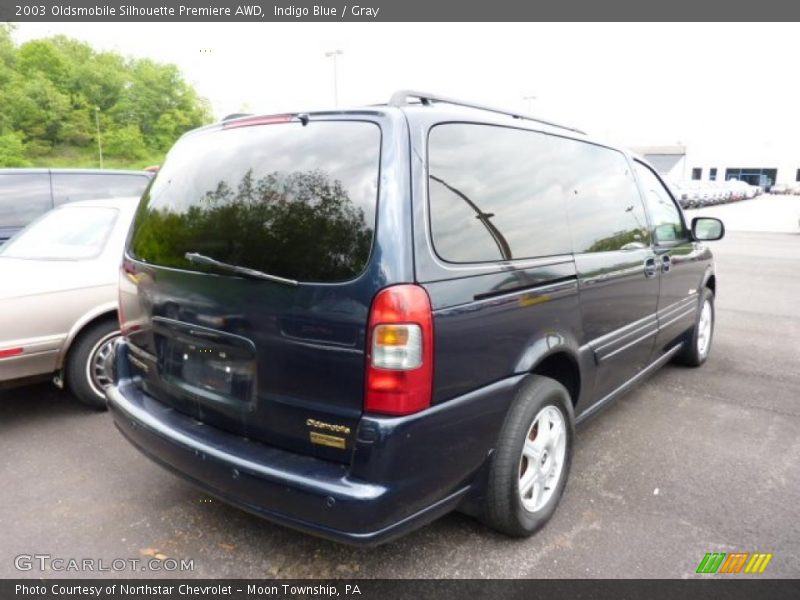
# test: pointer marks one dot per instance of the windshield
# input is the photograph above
(285, 199)
(69, 233)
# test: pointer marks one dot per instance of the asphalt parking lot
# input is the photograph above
(692, 461)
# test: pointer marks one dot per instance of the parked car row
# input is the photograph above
(786, 188)
(695, 194)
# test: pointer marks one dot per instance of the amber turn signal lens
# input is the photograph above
(391, 335)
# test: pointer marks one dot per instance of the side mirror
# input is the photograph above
(707, 229)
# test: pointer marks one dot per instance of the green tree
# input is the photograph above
(51, 88)
(42, 56)
(125, 141)
(158, 93)
(103, 79)
(8, 51)
(12, 151)
(36, 108)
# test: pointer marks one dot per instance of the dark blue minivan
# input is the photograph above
(353, 322)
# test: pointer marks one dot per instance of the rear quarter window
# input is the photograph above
(499, 193)
(289, 200)
(495, 194)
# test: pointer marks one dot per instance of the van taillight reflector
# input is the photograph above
(11, 352)
(263, 120)
(399, 351)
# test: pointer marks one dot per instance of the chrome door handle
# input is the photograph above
(666, 263)
(650, 268)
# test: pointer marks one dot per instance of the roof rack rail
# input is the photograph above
(401, 98)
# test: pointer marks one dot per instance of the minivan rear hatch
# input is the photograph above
(245, 296)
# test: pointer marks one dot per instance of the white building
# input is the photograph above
(758, 163)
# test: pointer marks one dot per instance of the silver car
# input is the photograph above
(58, 298)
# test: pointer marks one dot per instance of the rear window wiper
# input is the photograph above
(202, 259)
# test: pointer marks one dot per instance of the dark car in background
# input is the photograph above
(25, 194)
(353, 322)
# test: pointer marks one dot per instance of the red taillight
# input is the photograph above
(11, 352)
(399, 351)
(261, 120)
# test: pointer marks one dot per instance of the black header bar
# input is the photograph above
(733, 588)
(397, 10)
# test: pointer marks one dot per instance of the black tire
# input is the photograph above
(504, 510)
(692, 355)
(79, 381)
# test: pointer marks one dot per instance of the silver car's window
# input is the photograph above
(70, 233)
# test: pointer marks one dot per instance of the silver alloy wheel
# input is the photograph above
(704, 328)
(542, 460)
(96, 367)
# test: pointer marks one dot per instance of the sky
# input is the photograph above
(633, 84)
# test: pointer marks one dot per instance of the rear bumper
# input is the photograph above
(405, 471)
(28, 365)
(302, 492)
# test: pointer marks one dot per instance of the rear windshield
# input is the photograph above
(71, 233)
(286, 199)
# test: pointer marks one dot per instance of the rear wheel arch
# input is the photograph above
(559, 365)
(87, 320)
(81, 329)
(562, 367)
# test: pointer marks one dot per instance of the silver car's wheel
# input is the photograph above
(87, 369)
(97, 373)
(542, 460)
